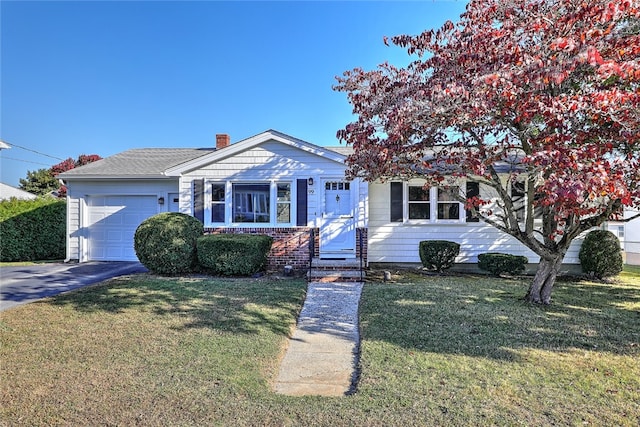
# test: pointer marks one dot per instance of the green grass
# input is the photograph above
(436, 350)
(477, 355)
(630, 271)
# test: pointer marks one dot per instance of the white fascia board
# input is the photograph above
(112, 177)
(249, 143)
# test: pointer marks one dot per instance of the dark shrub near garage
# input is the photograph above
(600, 254)
(166, 243)
(499, 263)
(234, 254)
(438, 255)
(32, 230)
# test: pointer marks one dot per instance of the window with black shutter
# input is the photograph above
(396, 203)
(301, 202)
(198, 199)
(473, 190)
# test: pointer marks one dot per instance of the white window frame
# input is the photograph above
(228, 211)
(284, 202)
(209, 201)
(433, 206)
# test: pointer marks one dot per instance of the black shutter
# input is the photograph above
(396, 206)
(301, 203)
(473, 190)
(198, 199)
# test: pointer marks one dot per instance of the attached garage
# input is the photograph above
(111, 225)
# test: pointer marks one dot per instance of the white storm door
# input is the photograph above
(338, 228)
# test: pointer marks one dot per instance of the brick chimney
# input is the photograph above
(222, 140)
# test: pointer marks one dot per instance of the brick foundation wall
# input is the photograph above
(290, 244)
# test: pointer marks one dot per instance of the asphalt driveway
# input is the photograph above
(24, 284)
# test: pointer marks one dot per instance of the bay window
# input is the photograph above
(250, 202)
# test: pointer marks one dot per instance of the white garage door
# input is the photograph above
(112, 223)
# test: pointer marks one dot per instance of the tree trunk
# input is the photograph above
(542, 285)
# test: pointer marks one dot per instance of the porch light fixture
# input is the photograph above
(161, 200)
(310, 181)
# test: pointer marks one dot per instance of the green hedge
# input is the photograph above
(438, 255)
(166, 243)
(600, 254)
(498, 263)
(32, 230)
(234, 254)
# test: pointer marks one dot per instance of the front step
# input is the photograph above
(336, 270)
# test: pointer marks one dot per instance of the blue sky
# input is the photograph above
(93, 77)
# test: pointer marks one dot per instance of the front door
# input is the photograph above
(338, 229)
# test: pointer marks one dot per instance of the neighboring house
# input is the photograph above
(7, 192)
(271, 184)
(629, 235)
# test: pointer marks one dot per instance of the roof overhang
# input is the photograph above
(113, 177)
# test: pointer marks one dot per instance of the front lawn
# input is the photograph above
(447, 350)
(631, 271)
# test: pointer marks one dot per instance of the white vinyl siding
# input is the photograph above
(269, 162)
(73, 227)
(397, 242)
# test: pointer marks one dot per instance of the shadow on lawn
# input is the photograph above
(243, 306)
(487, 317)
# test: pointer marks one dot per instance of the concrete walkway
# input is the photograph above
(322, 355)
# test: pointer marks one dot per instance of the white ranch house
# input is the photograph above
(10, 192)
(273, 184)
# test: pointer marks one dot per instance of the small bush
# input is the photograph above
(497, 263)
(600, 254)
(438, 254)
(234, 254)
(32, 230)
(166, 243)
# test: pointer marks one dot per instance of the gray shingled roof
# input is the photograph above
(8, 191)
(342, 149)
(141, 162)
(148, 162)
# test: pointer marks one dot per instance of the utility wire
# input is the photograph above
(25, 161)
(33, 151)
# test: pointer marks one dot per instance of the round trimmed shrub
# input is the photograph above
(166, 243)
(438, 254)
(600, 254)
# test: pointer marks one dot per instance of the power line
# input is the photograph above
(25, 161)
(33, 151)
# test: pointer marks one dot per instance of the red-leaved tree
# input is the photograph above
(68, 164)
(542, 95)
